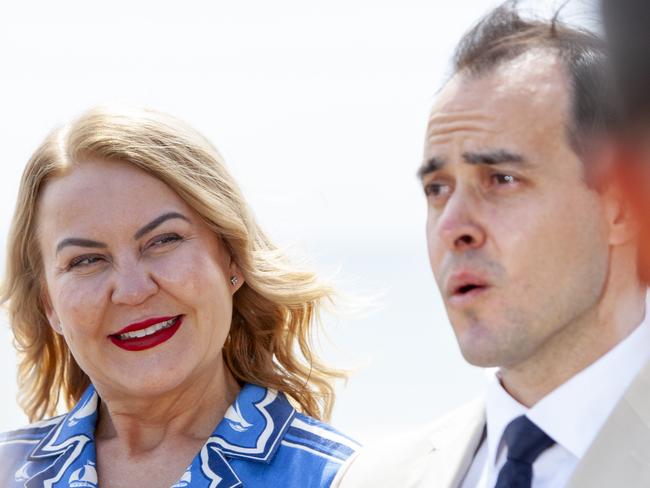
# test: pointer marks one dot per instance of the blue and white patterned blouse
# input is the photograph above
(261, 442)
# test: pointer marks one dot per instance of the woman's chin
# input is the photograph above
(150, 387)
(160, 376)
(145, 382)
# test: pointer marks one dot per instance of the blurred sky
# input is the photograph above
(319, 108)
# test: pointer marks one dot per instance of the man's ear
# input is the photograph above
(621, 215)
(51, 315)
(622, 218)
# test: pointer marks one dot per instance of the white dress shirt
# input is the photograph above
(572, 415)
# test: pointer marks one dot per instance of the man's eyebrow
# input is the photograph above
(157, 221)
(430, 166)
(491, 158)
(75, 241)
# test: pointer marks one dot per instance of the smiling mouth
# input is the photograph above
(148, 337)
(136, 334)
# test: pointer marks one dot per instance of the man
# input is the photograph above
(534, 251)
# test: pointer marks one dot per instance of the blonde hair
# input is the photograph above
(273, 312)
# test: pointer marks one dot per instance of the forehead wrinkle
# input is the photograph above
(442, 117)
(442, 137)
(459, 122)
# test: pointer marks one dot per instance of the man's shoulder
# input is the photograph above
(472, 412)
(401, 460)
(618, 454)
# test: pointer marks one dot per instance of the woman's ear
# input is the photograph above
(51, 315)
(235, 276)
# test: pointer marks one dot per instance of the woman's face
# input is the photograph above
(136, 282)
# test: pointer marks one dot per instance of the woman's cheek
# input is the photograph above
(82, 301)
(187, 274)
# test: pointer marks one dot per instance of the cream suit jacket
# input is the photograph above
(439, 455)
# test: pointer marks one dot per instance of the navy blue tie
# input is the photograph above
(525, 443)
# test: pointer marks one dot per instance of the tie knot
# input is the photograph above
(525, 440)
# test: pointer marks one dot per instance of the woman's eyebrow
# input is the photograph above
(157, 221)
(80, 242)
(76, 241)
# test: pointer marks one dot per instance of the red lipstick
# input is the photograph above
(150, 340)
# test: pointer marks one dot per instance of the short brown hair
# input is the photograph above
(503, 35)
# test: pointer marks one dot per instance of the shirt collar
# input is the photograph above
(254, 424)
(585, 401)
(63, 446)
(501, 409)
(251, 429)
(77, 427)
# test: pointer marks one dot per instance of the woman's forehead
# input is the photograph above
(114, 180)
(97, 195)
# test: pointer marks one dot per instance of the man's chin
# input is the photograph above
(481, 360)
(483, 351)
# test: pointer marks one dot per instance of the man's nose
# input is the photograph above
(458, 227)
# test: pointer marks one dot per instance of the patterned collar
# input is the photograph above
(251, 429)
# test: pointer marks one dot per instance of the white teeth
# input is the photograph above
(148, 331)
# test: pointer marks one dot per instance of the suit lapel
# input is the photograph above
(455, 439)
(620, 454)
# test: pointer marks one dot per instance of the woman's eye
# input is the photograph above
(164, 239)
(84, 261)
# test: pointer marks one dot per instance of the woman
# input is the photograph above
(143, 295)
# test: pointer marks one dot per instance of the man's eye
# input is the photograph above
(437, 190)
(503, 179)
(84, 261)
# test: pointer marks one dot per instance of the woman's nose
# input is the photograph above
(133, 284)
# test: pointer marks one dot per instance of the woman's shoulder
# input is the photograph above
(317, 453)
(16, 447)
(269, 442)
(30, 434)
(306, 432)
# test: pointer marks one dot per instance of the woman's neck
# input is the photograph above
(191, 411)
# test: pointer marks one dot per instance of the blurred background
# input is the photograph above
(319, 108)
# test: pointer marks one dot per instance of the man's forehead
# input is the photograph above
(529, 79)
(521, 106)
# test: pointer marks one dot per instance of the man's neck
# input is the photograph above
(576, 346)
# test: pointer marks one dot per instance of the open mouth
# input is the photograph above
(465, 295)
(465, 289)
(147, 336)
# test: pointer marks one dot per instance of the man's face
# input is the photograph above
(518, 242)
